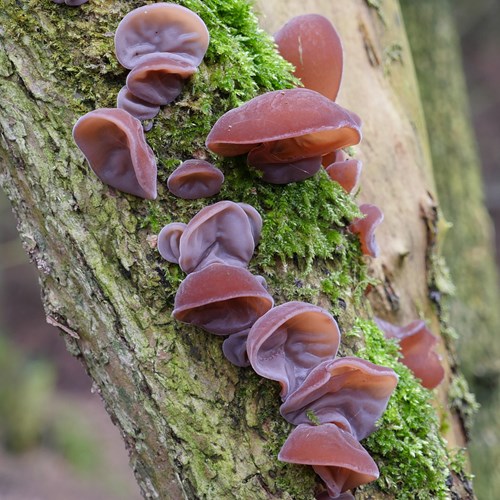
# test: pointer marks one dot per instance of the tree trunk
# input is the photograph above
(468, 246)
(195, 426)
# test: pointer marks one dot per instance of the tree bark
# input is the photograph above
(195, 426)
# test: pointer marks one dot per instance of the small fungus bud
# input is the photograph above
(195, 179)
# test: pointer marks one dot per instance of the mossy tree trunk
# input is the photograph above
(195, 426)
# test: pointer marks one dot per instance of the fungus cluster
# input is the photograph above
(288, 135)
(163, 44)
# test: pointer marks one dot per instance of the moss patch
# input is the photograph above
(408, 448)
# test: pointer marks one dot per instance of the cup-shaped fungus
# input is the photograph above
(336, 456)
(346, 173)
(417, 345)
(221, 299)
(349, 392)
(159, 78)
(113, 142)
(365, 228)
(220, 233)
(289, 341)
(137, 107)
(313, 46)
(161, 28)
(195, 179)
(285, 132)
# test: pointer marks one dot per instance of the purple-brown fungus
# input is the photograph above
(289, 341)
(113, 142)
(313, 46)
(285, 133)
(365, 228)
(164, 28)
(137, 107)
(220, 233)
(235, 348)
(159, 78)
(221, 299)
(195, 179)
(335, 454)
(349, 392)
(417, 345)
(346, 173)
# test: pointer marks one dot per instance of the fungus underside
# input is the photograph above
(314, 252)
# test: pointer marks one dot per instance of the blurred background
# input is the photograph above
(53, 429)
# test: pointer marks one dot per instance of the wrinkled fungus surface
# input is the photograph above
(220, 233)
(289, 341)
(349, 392)
(417, 345)
(161, 28)
(313, 46)
(113, 142)
(221, 299)
(195, 179)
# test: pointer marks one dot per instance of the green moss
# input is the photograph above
(411, 455)
(463, 401)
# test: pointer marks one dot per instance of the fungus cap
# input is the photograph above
(161, 28)
(365, 228)
(169, 241)
(159, 78)
(417, 345)
(289, 341)
(225, 233)
(113, 142)
(137, 107)
(195, 179)
(300, 123)
(221, 299)
(346, 173)
(350, 392)
(336, 456)
(235, 348)
(311, 43)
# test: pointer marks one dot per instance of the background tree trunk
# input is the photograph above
(195, 426)
(468, 246)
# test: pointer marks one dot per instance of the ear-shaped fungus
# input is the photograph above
(289, 341)
(336, 456)
(159, 78)
(195, 179)
(417, 344)
(365, 228)
(220, 233)
(285, 132)
(161, 28)
(346, 173)
(313, 46)
(137, 107)
(349, 392)
(113, 142)
(221, 299)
